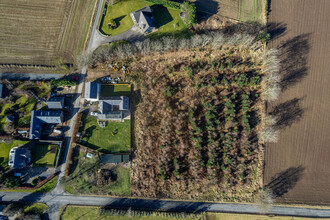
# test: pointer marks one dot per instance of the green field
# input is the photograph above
(93, 213)
(167, 20)
(44, 155)
(4, 152)
(116, 136)
(115, 90)
(227, 216)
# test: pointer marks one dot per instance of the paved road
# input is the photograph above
(30, 76)
(164, 205)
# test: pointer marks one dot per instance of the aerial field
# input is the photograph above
(297, 167)
(43, 32)
(243, 10)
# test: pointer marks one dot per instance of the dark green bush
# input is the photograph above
(62, 82)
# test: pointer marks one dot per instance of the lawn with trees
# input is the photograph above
(117, 18)
(200, 123)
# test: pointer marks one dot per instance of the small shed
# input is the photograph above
(114, 158)
(10, 119)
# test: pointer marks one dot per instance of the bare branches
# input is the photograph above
(265, 200)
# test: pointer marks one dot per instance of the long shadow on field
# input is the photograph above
(286, 180)
(293, 55)
(157, 205)
(287, 113)
(276, 29)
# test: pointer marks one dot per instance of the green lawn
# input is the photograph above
(46, 188)
(115, 90)
(167, 20)
(228, 216)
(44, 155)
(35, 208)
(252, 11)
(93, 213)
(4, 151)
(116, 136)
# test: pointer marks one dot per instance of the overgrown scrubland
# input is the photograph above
(198, 121)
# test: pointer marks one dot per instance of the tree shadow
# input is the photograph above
(287, 113)
(276, 30)
(118, 20)
(293, 56)
(285, 181)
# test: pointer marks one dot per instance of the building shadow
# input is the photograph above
(287, 113)
(135, 100)
(285, 181)
(293, 56)
(161, 15)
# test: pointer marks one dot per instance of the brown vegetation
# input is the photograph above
(197, 123)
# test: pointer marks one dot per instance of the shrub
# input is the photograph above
(62, 82)
(269, 134)
(10, 182)
(190, 13)
(265, 200)
(112, 24)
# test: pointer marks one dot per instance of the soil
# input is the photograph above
(297, 167)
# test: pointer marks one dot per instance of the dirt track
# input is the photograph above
(301, 158)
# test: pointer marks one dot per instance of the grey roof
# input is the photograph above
(91, 90)
(113, 103)
(143, 17)
(43, 117)
(55, 102)
(1, 87)
(19, 157)
(10, 118)
(114, 158)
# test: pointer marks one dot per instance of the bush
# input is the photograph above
(112, 24)
(10, 182)
(265, 200)
(190, 13)
(269, 134)
(62, 82)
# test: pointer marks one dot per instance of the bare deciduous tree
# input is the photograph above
(265, 200)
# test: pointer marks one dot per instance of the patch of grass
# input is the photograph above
(83, 179)
(93, 213)
(120, 13)
(168, 22)
(227, 216)
(115, 90)
(251, 10)
(4, 151)
(44, 155)
(35, 208)
(48, 187)
(116, 136)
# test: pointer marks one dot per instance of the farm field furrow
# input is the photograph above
(43, 32)
(297, 167)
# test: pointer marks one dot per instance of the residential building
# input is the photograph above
(38, 118)
(19, 158)
(55, 102)
(111, 108)
(144, 19)
(10, 119)
(92, 91)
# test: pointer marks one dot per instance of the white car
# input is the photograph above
(94, 113)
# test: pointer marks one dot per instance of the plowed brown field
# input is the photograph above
(297, 168)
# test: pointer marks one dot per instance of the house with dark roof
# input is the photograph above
(111, 108)
(144, 19)
(55, 102)
(92, 91)
(10, 119)
(19, 158)
(38, 118)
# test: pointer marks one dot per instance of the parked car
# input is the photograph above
(94, 113)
